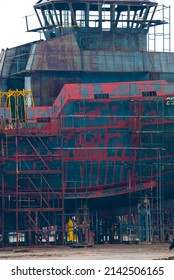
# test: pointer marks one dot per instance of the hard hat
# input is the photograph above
(73, 217)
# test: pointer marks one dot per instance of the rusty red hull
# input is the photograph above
(96, 140)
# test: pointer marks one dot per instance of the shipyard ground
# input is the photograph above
(96, 252)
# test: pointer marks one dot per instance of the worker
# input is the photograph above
(75, 229)
(72, 229)
(171, 244)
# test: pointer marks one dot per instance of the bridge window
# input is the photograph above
(43, 120)
(101, 95)
(149, 93)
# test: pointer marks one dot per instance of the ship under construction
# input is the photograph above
(86, 126)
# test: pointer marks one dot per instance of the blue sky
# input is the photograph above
(13, 27)
(12, 22)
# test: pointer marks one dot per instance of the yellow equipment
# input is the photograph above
(17, 101)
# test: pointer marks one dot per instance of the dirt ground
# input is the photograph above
(96, 252)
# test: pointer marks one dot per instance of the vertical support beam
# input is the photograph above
(57, 20)
(87, 5)
(117, 18)
(26, 20)
(132, 23)
(38, 18)
(44, 17)
(29, 229)
(63, 188)
(152, 15)
(112, 16)
(160, 197)
(51, 16)
(52, 21)
(145, 16)
(73, 18)
(3, 208)
(17, 189)
(61, 20)
(163, 28)
(140, 15)
(169, 29)
(128, 16)
(100, 16)
(55, 13)
(36, 221)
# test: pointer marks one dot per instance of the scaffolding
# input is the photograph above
(159, 37)
(28, 197)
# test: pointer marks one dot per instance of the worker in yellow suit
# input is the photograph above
(72, 230)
